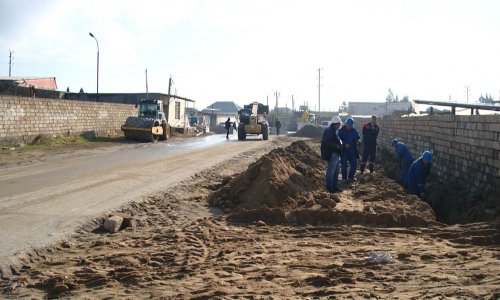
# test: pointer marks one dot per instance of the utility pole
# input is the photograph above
(147, 92)
(10, 61)
(167, 113)
(276, 93)
(293, 104)
(319, 91)
(467, 87)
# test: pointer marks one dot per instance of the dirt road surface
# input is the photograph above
(41, 202)
(259, 224)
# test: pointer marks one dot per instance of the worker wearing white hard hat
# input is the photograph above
(331, 148)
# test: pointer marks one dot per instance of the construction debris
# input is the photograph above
(112, 224)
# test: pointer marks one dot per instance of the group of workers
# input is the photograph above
(339, 147)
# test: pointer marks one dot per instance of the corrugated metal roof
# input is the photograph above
(15, 78)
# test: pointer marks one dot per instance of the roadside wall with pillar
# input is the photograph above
(22, 119)
(466, 149)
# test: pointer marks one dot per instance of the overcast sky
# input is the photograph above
(243, 51)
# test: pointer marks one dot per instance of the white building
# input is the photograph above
(377, 108)
(219, 111)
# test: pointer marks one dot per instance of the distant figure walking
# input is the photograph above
(405, 159)
(227, 125)
(370, 134)
(278, 126)
(419, 170)
(350, 139)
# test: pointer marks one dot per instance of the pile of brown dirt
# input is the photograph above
(310, 131)
(284, 178)
(287, 186)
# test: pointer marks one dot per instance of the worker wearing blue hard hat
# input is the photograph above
(350, 139)
(405, 159)
(419, 170)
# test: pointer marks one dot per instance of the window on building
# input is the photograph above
(177, 110)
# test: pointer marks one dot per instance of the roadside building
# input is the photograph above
(378, 108)
(29, 86)
(218, 112)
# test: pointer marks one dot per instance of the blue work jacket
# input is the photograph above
(402, 153)
(417, 175)
(349, 137)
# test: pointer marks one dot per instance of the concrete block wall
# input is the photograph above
(466, 149)
(8, 87)
(23, 118)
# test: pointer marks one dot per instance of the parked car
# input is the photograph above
(325, 124)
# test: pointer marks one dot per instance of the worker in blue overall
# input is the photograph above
(405, 159)
(350, 139)
(419, 170)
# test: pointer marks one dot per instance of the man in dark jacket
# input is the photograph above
(331, 148)
(419, 170)
(227, 125)
(278, 127)
(370, 134)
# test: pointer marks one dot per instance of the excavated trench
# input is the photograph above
(286, 186)
(452, 203)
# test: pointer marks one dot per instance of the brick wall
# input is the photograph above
(466, 149)
(23, 118)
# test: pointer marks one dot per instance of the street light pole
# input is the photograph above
(90, 33)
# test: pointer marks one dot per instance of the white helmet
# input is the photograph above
(336, 120)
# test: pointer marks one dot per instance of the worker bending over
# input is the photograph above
(419, 170)
(405, 159)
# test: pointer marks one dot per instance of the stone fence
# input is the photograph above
(466, 149)
(22, 119)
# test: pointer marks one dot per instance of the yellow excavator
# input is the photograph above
(150, 125)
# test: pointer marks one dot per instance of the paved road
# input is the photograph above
(40, 203)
